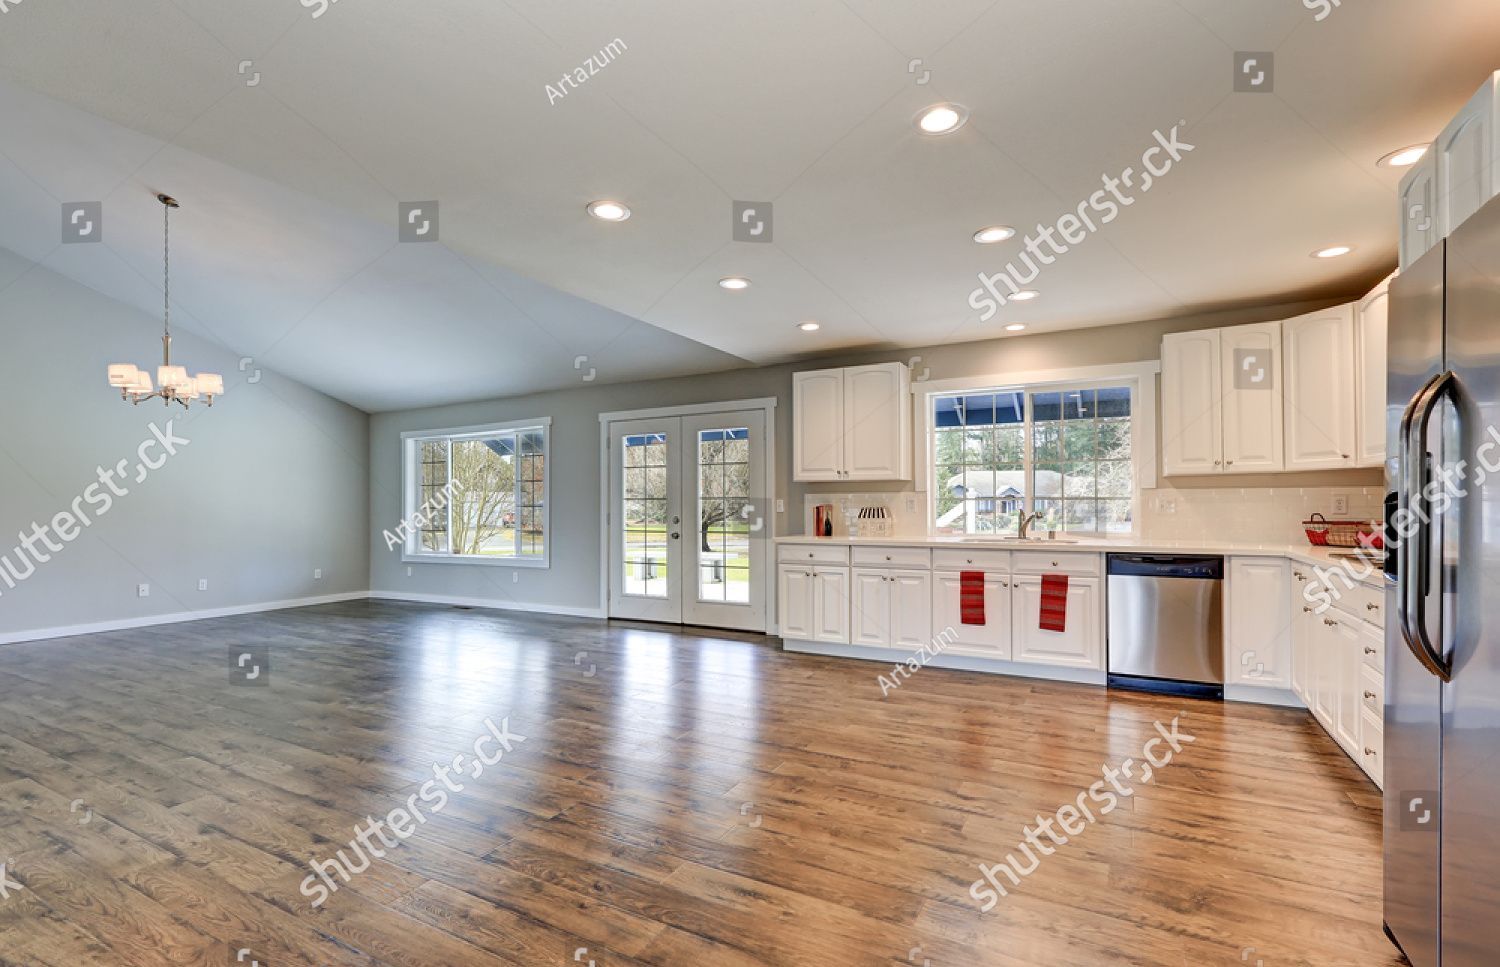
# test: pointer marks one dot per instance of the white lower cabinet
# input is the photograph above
(1081, 645)
(1335, 671)
(1345, 653)
(890, 608)
(814, 603)
(1258, 641)
(989, 640)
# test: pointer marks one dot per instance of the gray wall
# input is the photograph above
(573, 581)
(271, 486)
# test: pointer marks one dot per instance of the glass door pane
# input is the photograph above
(644, 510)
(723, 521)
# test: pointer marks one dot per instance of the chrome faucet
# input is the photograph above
(1026, 521)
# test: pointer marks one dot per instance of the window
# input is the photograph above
(476, 495)
(1065, 453)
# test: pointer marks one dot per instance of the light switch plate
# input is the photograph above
(1341, 504)
(143, 590)
(317, 574)
(203, 584)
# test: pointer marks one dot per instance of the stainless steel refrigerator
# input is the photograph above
(1442, 712)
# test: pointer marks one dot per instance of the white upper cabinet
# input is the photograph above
(852, 424)
(1191, 413)
(1421, 220)
(818, 433)
(1370, 321)
(1251, 379)
(1321, 427)
(1464, 154)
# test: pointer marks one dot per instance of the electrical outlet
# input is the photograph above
(911, 503)
(1341, 505)
(515, 577)
(203, 584)
(780, 506)
(1167, 505)
(408, 572)
(317, 574)
(143, 590)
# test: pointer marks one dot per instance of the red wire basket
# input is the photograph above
(1322, 532)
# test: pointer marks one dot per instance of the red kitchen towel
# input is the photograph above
(971, 597)
(1054, 615)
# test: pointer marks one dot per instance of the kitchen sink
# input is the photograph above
(1040, 540)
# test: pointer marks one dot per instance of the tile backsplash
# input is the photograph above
(1249, 515)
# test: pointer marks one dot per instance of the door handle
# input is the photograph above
(676, 535)
(1415, 548)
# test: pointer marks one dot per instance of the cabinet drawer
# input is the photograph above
(951, 559)
(1372, 691)
(813, 554)
(1367, 603)
(1047, 562)
(1372, 748)
(1372, 648)
(892, 557)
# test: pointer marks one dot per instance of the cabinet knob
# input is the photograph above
(1369, 650)
(1228, 463)
(811, 554)
(1054, 564)
(1218, 463)
(968, 560)
(887, 557)
(1005, 584)
(1346, 456)
(1306, 609)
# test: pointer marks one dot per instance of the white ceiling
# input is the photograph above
(290, 187)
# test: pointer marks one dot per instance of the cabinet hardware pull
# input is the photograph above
(1370, 696)
(1306, 609)
(1369, 650)
(1369, 751)
(1371, 607)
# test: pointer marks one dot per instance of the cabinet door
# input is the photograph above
(1259, 646)
(870, 608)
(1465, 156)
(1081, 645)
(989, 640)
(818, 425)
(1320, 424)
(1251, 379)
(877, 418)
(1346, 638)
(1302, 620)
(1421, 218)
(831, 604)
(1370, 334)
(795, 597)
(1323, 671)
(1191, 414)
(911, 609)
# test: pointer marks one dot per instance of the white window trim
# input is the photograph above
(410, 491)
(1140, 378)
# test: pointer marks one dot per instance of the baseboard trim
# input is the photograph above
(177, 617)
(966, 663)
(490, 603)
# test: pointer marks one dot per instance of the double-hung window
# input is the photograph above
(476, 495)
(1067, 452)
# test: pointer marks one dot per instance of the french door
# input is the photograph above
(688, 523)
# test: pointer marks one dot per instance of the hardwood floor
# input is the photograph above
(677, 798)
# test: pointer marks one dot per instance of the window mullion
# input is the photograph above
(516, 508)
(448, 480)
(1028, 452)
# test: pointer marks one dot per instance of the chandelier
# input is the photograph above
(174, 382)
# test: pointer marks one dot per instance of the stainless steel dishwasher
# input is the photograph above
(1166, 623)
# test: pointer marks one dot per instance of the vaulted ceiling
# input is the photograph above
(292, 131)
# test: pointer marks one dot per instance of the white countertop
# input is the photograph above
(1304, 553)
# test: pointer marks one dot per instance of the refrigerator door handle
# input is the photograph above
(1414, 547)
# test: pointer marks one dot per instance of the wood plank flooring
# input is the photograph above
(679, 797)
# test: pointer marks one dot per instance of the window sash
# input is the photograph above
(1026, 393)
(529, 444)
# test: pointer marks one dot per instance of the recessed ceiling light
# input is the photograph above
(734, 283)
(1025, 295)
(1015, 327)
(1332, 253)
(993, 234)
(1404, 158)
(942, 118)
(809, 326)
(609, 211)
